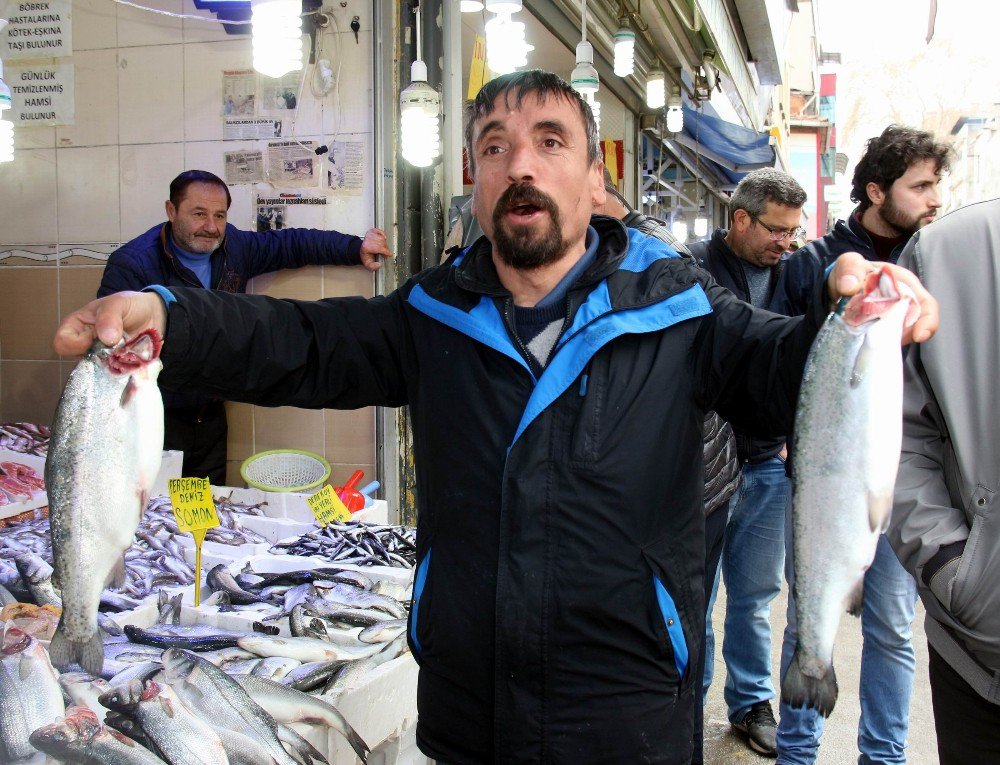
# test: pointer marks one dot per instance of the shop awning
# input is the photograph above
(733, 149)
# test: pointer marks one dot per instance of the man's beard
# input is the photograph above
(517, 246)
(899, 221)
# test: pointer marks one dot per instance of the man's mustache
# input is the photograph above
(523, 194)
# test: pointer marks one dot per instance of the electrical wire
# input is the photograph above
(195, 17)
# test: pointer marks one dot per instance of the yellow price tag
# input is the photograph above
(193, 505)
(194, 510)
(327, 507)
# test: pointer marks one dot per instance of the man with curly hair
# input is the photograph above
(896, 188)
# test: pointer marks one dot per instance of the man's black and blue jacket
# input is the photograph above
(558, 604)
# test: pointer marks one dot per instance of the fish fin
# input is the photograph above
(801, 690)
(129, 391)
(861, 363)
(856, 598)
(89, 653)
(879, 510)
(298, 747)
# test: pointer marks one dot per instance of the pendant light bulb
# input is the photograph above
(419, 112)
(701, 223)
(655, 89)
(277, 36)
(679, 228)
(471, 6)
(675, 114)
(624, 52)
(506, 49)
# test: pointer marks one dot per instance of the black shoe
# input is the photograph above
(761, 729)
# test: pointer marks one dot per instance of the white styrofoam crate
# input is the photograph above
(170, 467)
(293, 506)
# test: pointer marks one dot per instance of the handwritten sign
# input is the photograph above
(194, 510)
(194, 507)
(327, 507)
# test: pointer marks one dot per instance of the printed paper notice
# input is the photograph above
(292, 162)
(37, 29)
(244, 167)
(345, 168)
(251, 129)
(41, 95)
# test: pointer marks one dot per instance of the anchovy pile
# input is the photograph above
(230, 532)
(24, 437)
(356, 543)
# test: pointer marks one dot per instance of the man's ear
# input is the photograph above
(171, 210)
(875, 193)
(599, 194)
(741, 220)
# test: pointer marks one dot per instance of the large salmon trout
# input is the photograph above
(107, 439)
(848, 429)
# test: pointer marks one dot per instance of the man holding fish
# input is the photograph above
(896, 187)
(558, 372)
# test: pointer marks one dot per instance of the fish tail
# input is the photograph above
(799, 689)
(357, 743)
(89, 653)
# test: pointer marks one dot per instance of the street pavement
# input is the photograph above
(725, 746)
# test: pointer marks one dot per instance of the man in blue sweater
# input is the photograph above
(896, 188)
(197, 247)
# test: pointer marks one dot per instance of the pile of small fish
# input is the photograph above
(154, 560)
(230, 531)
(356, 543)
(24, 437)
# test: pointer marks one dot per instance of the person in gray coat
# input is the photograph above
(946, 517)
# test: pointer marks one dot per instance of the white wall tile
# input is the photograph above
(204, 64)
(206, 31)
(87, 186)
(348, 108)
(94, 25)
(28, 197)
(137, 27)
(96, 113)
(146, 172)
(34, 137)
(151, 94)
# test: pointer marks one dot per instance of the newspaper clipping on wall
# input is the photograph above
(345, 168)
(292, 162)
(279, 95)
(244, 167)
(273, 211)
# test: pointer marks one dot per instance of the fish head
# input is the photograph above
(58, 738)
(84, 720)
(122, 697)
(139, 355)
(881, 293)
(178, 664)
(15, 640)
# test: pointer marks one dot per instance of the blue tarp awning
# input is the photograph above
(733, 149)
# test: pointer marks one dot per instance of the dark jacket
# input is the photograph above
(807, 263)
(722, 464)
(715, 255)
(148, 259)
(558, 603)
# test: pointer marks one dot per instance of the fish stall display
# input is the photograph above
(178, 689)
(357, 543)
(845, 453)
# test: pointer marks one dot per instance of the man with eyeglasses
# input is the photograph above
(896, 187)
(747, 258)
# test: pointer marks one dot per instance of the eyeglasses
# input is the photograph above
(777, 234)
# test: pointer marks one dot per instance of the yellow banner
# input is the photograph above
(193, 505)
(327, 507)
(478, 75)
